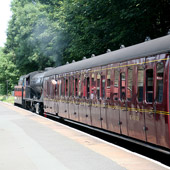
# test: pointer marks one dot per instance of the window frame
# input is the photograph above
(147, 86)
(114, 87)
(143, 69)
(162, 83)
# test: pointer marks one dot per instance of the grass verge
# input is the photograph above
(8, 99)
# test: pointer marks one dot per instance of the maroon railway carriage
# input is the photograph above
(125, 91)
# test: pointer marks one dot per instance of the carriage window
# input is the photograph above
(28, 80)
(93, 86)
(88, 88)
(59, 87)
(98, 86)
(92, 83)
(140, 83)
(130, 82)
(159, 84)
(56, 87)
(80, 81)
(66, 87)
(108, 85)
(84, 86)
(116, 80)
(73, 86)
(103, 87)
(122, 86)
(63, 86)
(70, 82)
(51, 89)
(149, 85)
(47, 88)
(108, 79)
(76, 87)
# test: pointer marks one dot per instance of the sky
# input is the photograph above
(5, 15)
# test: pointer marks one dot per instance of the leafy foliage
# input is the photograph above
(29, 37)
(8, 71)
(95, 26)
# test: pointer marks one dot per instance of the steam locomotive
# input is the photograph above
(29, 91)
(125, 92)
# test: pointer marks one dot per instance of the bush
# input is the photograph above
(8, 99)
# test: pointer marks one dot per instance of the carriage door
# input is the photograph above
(85, 103)
(104, 102)
(123, 102)
(96, 99)
(71, 96)
(76, 98)
(56, 106)
(116, 110)
(149, 104)
(62, 103)
(88, 100)
(161, 116)
(67, 96)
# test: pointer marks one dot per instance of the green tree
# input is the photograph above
(95, 26)
(8, 72)
(30, 36)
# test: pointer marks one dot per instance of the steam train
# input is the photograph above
(125, 92)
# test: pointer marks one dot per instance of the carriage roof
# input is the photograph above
(148, 48)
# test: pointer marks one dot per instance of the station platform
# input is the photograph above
(31, 142)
